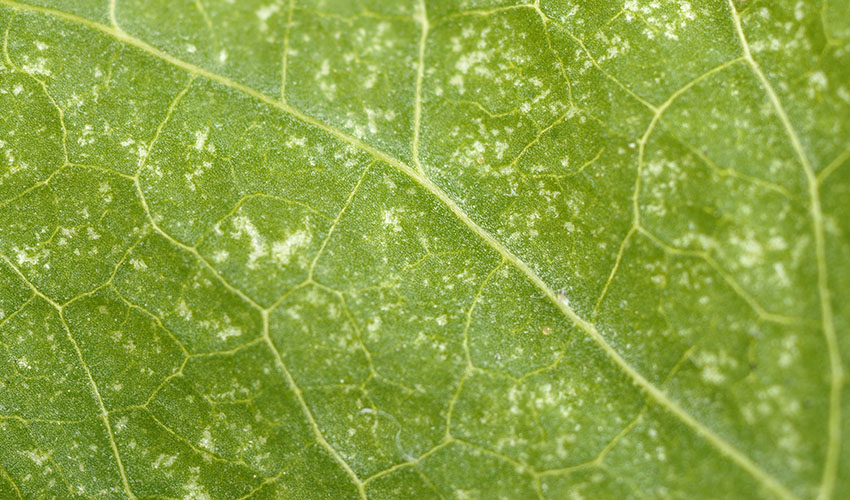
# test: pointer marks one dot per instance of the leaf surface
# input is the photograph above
(456, 249)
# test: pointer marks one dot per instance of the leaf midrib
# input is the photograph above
(723, 446)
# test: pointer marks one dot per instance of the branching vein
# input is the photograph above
(416, 175)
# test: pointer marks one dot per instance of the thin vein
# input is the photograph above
(43, 85)
(170, 110)
(422, 16)
(599, 459)
(207, 20)
(564, 116)
(410, 463)
(470, 366)
(103, 413)
(736, 287)
(63, 476)
(11, 481)
(608, 75)
(194, 251)
(6, 40)
(10, 317)
(656, 118)
(335, 222)
(205, 454)
(836, 371)
(290, 380)
(485, 12)
(834, 165)
(112, 16)
(620, 252)
(590, 329)
(731, 172)
(285, 55)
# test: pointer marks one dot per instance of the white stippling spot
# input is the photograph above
(391, 220)
(201, 139)
(243, 226)
(230, 331)
(282, 251)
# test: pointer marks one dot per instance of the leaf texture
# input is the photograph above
(427, 249)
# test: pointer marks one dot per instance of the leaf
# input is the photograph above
(445, 249)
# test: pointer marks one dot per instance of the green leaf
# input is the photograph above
(447, 249)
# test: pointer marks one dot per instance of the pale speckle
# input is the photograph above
(206, 441)
(391, 220)
(220, 256)
(163, 460)
(193, 490)
(244, 226)
(138, 264)
(37, 456)
(282, 251)
(228, 332)
(201, 139)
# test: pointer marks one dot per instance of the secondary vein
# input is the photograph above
(589, 328)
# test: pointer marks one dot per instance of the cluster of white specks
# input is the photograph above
(282, 251)
(23, 363)
(789, 353)
(295, 142)
(30, 256)
(220, 256)
(617, 46)
(328, 89)
(667, 18)
(818, 83)
(37, 67)
(138, 264)
(121, 424)
(39, 457)
(197, 172)
(206, 442)
(86, 136)
(105, 190)
(228, 332)
(163, 460)
(242, 226)
(193, 490)
(750, 250)
(264, 13)
(201, 143)
(781, 274)
(800, 10)
(391, 220)
(183, 310)
(129, 346)
(713, 366)
(223, 326)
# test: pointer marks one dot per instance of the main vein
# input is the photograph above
(589, 328)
